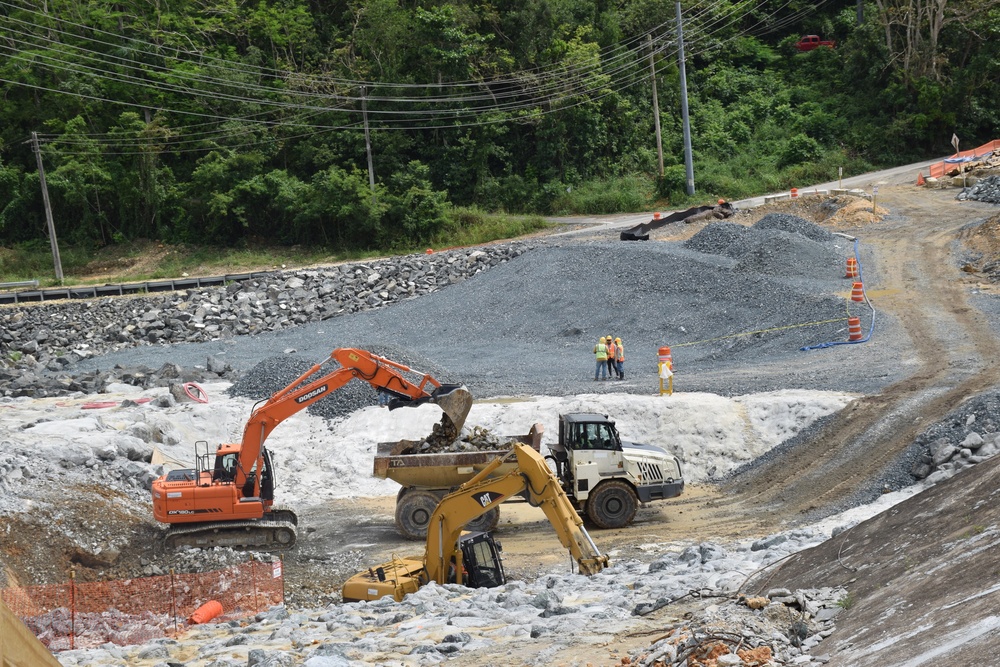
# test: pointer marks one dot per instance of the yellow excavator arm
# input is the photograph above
(480, 494)
(442, 561)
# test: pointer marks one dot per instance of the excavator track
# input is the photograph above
(275, 531)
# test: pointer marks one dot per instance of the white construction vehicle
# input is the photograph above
(604, 477)
(607, 477)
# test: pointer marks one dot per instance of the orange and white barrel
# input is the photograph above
(854, 328)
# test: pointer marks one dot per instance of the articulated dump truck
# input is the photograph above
(604, 477)
(426, 478)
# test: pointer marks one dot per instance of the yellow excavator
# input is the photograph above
(473, 559)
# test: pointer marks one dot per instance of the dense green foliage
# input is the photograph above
(237, 122)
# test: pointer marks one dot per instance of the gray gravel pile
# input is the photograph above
(986, 190)
(773, 252)
(57, 333)
(794, 225)
(528, 325)
(717, 238)
(275, 373)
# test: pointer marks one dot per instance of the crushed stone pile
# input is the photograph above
(717, 239)
(53, 336)
(527, 325)
(793, 224)
(986, 190)
(275, 373)
(775, 252)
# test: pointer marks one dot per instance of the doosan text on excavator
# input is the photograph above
(229, 500)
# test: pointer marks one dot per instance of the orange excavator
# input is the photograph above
(229, 501)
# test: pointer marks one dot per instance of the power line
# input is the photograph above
(522, 91)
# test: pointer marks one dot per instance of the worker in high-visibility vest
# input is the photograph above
(620, 358)
(601, 354)
(612, 355)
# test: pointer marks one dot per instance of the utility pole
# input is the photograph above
(368, 141)
(688, 160)
(48, 209)
(656, 107)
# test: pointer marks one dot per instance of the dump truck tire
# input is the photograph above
(612, 504)
(486, 522)
(413, 513)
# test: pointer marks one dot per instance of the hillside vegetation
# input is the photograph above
(241, 123)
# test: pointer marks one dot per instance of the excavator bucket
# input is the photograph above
(455, 401)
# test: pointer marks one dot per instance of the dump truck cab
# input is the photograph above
(607, 477)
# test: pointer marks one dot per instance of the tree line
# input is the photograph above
(372, 124)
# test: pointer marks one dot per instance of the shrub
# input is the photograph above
(798, 149)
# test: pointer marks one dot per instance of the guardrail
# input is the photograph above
(96, 291)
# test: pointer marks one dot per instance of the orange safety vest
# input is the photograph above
(621, 352)
(611, 351)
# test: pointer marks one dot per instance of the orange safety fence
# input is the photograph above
(134, 611)
(938, 170)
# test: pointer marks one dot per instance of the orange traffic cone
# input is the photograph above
(858, 293)
(794, 193)
(656, 216)
(852, 268)
(920, 178)
(854, 328)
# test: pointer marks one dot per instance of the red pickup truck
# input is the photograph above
(810, 42)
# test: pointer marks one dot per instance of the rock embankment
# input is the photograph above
(44, 340)
(538, 622)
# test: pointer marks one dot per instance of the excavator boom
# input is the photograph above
(231, 502)
(442, 561)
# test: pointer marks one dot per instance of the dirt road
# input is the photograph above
(953, 352)
(918, 281)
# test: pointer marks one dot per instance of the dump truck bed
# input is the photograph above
(443, 470)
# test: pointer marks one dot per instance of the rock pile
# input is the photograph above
(48, 338)
(986, 190)
(40, 343)
(476, 439)
(965, 437)
(29, 378)
(557, 612)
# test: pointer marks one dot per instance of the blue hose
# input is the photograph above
(871, 328)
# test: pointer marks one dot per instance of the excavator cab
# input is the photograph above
(481, 561)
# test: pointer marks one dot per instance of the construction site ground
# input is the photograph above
(927, 280)
(929, 249)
